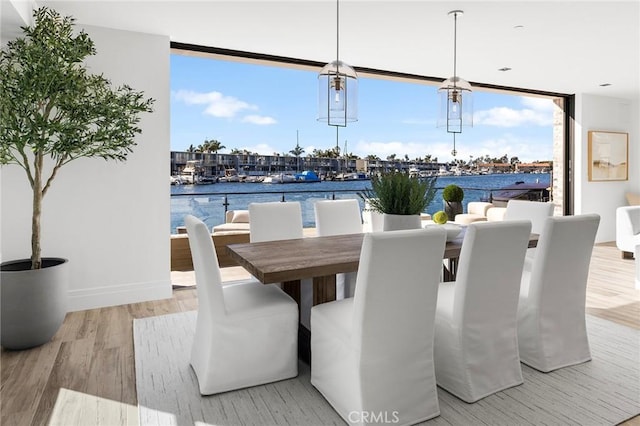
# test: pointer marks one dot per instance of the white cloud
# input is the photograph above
(217, 104)
(536, 111)
(259, 119)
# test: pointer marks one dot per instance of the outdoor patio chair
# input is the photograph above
(476, 345)
(373, 353)
(246, 333)
(476, 212)
(551, 313)
(336, 217)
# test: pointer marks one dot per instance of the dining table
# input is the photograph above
(319, 258)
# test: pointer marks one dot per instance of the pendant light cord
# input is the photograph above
(455, 54)
(337, 36)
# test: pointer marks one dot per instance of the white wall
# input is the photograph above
(110, 219)
(607, 114)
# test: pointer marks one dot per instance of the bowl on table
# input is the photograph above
(453, 230)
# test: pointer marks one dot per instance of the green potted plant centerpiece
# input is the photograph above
(452, 196)
(400, 198)
(53, 111)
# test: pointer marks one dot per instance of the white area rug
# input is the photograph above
(604, 391)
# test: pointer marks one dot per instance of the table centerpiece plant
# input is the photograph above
(53, 111)
(400, 198)
(452, 196)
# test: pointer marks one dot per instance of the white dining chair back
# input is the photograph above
(246, 332)
(206, 269)
(338, 217)
(373, 353)
(476, 347)
(274, 221)
(535, 211)
(551, 314)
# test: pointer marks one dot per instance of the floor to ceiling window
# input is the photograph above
(255, 105)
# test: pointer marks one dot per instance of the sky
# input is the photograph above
(268, 109)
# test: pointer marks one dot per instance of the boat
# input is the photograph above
(520, 191)
(351, 176)
(444, 172)
(230, 175)
(191, 172)
(280, 178)
(307, 176)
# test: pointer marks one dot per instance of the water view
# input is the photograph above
(208, 202)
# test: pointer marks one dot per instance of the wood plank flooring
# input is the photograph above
(86, 376)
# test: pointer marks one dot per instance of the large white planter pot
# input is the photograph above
(397, 222)
(33, 302)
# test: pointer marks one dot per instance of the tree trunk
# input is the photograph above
(36, 260)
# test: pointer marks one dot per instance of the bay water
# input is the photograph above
(209, 202)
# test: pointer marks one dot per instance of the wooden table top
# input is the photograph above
(289, 260)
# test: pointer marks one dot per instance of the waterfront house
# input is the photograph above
(113, 222)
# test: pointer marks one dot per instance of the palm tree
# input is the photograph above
(297, 151)
(214, 146)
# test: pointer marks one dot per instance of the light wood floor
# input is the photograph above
(90, 361)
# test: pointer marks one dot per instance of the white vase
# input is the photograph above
(396, 222)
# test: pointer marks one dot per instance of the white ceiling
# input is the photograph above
(564, 46)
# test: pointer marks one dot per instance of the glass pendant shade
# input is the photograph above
(456, 104)
(337, 94)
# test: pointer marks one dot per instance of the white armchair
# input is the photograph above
(628, 230)
(246, 333)
(373, 353)
(476, 212)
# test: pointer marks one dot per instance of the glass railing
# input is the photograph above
(211, 206)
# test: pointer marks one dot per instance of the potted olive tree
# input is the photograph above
(53, 111)
(400, 198)
(452, 196)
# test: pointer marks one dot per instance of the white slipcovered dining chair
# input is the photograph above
(551, 313)
(246, 333)
(273, 221)
(336, 217)
(476, 345)
(535, 211)
(373, 353)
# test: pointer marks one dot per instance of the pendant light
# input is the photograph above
(456, 102)
(337, 88)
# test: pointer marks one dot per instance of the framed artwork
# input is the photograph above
(608, 156)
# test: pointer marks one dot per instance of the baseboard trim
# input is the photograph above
(100, 297)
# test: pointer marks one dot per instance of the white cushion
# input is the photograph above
(240, 216)
(225, 227)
